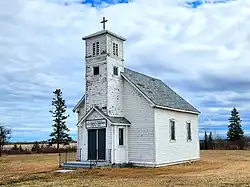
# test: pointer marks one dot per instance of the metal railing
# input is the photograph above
(68, 156)
(93, 157)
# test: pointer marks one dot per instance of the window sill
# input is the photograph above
(172, 141)
(189, 140)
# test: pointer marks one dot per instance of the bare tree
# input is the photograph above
(4, 137)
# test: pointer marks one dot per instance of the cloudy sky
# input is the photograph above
(201, 50)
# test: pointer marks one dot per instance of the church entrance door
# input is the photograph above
(97, 144)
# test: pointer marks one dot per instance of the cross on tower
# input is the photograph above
(103, 22)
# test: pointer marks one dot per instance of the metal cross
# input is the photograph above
(103, 22)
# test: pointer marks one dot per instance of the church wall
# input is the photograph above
(96, 85)
(169, 151)
(115, 88)
(141, 131)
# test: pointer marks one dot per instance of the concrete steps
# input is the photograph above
(84, 165)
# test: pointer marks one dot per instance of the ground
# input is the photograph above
(216, 168)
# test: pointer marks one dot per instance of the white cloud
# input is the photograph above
(195, 51)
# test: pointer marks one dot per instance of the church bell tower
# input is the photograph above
(104, 62)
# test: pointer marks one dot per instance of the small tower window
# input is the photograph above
(113, 48)
(96, 70)
(115, 70)
(97, 48)
(93, 49)
(116, 49)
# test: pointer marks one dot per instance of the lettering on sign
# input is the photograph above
(96, 123)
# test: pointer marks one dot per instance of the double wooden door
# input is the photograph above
(97, 144)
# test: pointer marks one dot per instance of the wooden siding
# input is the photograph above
(169, 151)
(141, 131)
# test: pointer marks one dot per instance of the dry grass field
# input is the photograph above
(216, 168)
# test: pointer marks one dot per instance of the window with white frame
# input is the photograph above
(189, 137)
(172, 129)
(121, 136)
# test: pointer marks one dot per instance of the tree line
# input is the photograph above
(60, 131)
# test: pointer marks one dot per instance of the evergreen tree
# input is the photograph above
(205, 141)
(235, 131)
(4, 137)
(210, 141)
(60, 131)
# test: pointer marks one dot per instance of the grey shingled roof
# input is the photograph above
(118, 120)
(157, 91)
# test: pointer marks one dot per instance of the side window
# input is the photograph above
(115, 70)
(172, 129)
(189, 137)
(96, 70)
(121, 136)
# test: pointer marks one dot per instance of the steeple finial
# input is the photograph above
(103, 22)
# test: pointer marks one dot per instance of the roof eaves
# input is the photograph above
(178, 110)
(79, 103)
(103, 32)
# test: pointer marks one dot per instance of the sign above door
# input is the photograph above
(97, 123)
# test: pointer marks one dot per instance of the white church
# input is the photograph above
(126, 117)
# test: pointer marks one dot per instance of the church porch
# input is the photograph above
(102, 138)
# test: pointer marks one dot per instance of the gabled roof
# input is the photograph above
(157, 91)
(114, 120)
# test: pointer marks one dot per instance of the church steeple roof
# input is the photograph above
(103, 32)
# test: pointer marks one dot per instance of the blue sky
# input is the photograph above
(198, 48)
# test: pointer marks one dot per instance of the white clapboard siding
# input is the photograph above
(141, 131)
(168, 151)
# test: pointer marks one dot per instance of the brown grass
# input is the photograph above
(216, 168)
